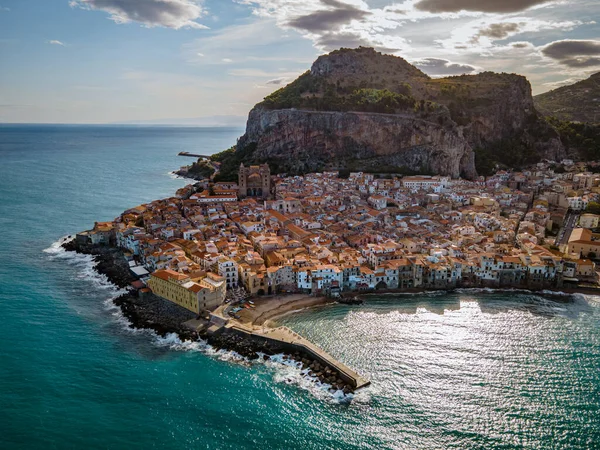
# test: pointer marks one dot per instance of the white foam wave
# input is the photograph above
(289, 371)
(175, 176)
(285, 370)
(86, 267)
(486, 290)
(56, 247)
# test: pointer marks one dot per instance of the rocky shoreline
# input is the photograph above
(163, 317)
(146, 312)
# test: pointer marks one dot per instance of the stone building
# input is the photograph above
(254, 181)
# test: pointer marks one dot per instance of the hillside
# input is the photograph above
(579, 102)
(358, 109)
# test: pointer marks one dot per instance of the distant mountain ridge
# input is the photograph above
(578, 102)
(358, 109)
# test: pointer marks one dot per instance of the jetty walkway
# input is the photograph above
(192, 155)
(252, 326)
(292, 340)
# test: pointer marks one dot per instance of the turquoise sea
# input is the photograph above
(462, 371)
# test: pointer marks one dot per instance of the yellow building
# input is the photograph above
(196, 295)
(581, 243)
(585, 268)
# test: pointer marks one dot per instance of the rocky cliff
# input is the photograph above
(359, 109)
(306, 141)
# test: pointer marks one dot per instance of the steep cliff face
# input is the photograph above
(493, 107)
(304, 141)
(359, 109)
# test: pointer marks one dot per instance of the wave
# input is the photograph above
(175, 176)
(285, 370)
(290, 372)
(86, 266)
(542, 293)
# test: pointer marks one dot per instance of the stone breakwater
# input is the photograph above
(149, 311)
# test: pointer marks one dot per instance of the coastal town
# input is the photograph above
(225, 260)
(326, 235)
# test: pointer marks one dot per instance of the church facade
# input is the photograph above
(254, 181)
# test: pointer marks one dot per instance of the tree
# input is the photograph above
(344, 174)
(593, 208)
(560, 169)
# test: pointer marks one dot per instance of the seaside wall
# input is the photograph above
(346, 374)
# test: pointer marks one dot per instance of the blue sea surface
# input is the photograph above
(454, 371)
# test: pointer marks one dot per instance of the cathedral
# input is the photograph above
(255, 181)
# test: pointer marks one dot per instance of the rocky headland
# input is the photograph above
(358, 109)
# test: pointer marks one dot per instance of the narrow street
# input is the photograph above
(567, 228)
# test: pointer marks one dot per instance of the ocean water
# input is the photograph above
(466, 370)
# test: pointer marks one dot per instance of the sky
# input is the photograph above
(168, 61)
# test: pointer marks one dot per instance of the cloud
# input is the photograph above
(55, 42)
(487, 6)
(348, 39)
(499, 30)
(174, 14)
(481, 34)
(4, 8)
(443, 67)
(574, 53)
(331, 24)
(328, 19)
(276, 81)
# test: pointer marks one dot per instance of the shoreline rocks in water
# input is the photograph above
(145, 312)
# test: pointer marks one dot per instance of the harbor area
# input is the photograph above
(257, 323)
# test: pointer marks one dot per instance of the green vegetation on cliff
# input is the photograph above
(314, 93)
(577, 102)
(201, 169)
(507, 153)
(580, 138)
(230, 161)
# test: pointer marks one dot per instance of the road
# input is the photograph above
(565, 231)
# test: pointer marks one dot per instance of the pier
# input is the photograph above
(299, 343)
(288, 340)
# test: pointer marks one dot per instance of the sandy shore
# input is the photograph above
(268, 310)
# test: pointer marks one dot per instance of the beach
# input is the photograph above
(269, 309)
